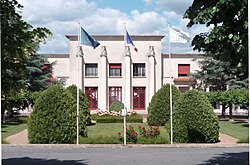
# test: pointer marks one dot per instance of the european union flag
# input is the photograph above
(86, 39)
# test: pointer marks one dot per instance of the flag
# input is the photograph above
(129, 41)
(178, 36)
(86, 39)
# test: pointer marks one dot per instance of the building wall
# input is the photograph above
(112, 50)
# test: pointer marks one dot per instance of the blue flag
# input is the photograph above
(86, 39)
(129, 41)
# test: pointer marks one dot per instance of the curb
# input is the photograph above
(128, 146)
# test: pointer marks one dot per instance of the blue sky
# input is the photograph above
(149, 17)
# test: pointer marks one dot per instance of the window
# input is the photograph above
(115, 70)
(92, 94)
(183, 70)
(139, 70)
(139, 98)
(91, 70)
(115, 93)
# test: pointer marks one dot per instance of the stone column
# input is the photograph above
(103, 79)
(151, 73)
(127, 75)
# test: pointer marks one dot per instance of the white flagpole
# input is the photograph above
(125, 108)
(170, 91)
(77, 107)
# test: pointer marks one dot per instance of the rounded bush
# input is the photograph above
(53, 120)
(115, 106)
(159, 107)
(84, 113)
(194, 120)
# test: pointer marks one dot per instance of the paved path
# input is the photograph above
(22, 138)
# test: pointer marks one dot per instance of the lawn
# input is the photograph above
(8, 129)
(239, 130)
(107, 133)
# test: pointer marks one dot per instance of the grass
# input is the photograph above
(238, 130)
(107, 133)
(8, 129)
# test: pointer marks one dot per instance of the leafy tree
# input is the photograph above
(19, 40)
(38, 72)
(228, 39)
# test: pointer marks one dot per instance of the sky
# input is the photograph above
(142, 17)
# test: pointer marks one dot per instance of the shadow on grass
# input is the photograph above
(27, 160)
(8, 123)
(241, 158)
(245, 125)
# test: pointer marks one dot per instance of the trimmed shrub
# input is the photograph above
(194, 120)
(53, 120)
(23, 119)
(159, 107)
(117, 119)
(84, 111)
(115, 106)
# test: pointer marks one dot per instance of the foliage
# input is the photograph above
(39, 73)
(106, 133)
(23, 119)
(117, 119)
(194, 120)
(227, 42)
(18, 41)
(53, 119)
(152, 132)
(131, 135)
(159, 107)
(83, 107)
(115, 106)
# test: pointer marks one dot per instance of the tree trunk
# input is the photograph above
(223, 111)
(231, 112)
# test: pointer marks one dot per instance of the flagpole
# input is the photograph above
(170, 91)
(125, 108)
(77, 107)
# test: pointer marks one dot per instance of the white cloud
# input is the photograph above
(148, 2)
(178, 6)
(62, 17)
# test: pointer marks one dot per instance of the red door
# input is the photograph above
(139, 98)
(92, 94)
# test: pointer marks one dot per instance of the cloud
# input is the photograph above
(148, 2)
(178, 6)
(62, 17)
(40, 11)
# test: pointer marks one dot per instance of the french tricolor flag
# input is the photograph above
(129, 41)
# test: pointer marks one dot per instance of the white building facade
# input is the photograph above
(114, 71)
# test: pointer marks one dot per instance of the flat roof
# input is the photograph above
(120, 37)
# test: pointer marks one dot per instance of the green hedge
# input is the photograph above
(53, 120)
(159, 107)
(194, 120)
(23, 119)
(117, 119)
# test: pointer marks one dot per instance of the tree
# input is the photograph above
(217, 74)
(19, 40)
(228, 39)
(38, 73)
